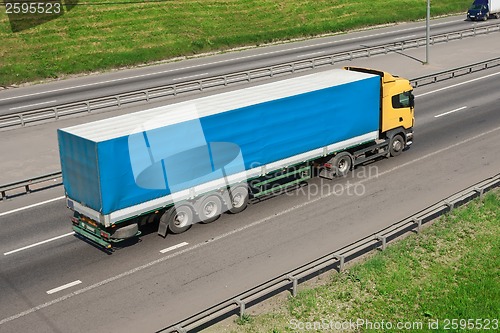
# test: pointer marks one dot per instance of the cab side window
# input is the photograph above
(402, 100)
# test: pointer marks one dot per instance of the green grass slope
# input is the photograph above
(451, 271)
(101, 34)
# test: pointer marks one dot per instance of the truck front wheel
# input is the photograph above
(396, 145)
(342, 164)
(179, 219)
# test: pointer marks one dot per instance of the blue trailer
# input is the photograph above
(189, 162)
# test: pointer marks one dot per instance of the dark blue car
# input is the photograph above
(483, 9)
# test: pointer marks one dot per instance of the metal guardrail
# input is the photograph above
(456, 72)
(26, 184)
(21, 119)
(334, 260)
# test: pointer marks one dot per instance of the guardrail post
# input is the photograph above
(480, 191)
(295, 283)
(450, 205)
(241, 304)
(383, 240)
(341, 260)
(3, 195)
(418, 222)
(180, 329)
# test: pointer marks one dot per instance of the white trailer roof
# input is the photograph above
(124, 125)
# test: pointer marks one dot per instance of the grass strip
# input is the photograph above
(446, 279)
(98, 35)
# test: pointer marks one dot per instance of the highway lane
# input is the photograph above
(24, 99)
(255, 245)
(26, 159)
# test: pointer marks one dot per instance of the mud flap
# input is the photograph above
(326, 173)
(162, 229)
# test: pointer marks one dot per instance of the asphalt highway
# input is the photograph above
(27, 160)
(66, 285)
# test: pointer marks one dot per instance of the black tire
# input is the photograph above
(178, 219)
(342, 164)
(396, 145)
(238, 199)
(209, 208)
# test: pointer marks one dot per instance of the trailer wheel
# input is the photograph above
(238, 199)
(179, 219)
(396, 145)
(209, 208)
(342, 164)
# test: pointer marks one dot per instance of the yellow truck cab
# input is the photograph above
(397, 109)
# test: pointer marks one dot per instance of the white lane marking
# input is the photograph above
(217, 62)
(452, 111)
(199, 245)
(39, 243)
(175, 247)
(30, 105)
(458, 84)
(404, 37)
(66, 286)
(310, 54)
(31, 206)
(189, 77)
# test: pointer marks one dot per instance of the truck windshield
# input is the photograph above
(403, 100)
(476, 7)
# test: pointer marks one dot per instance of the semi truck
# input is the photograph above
(484, 9)
(189, 162)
